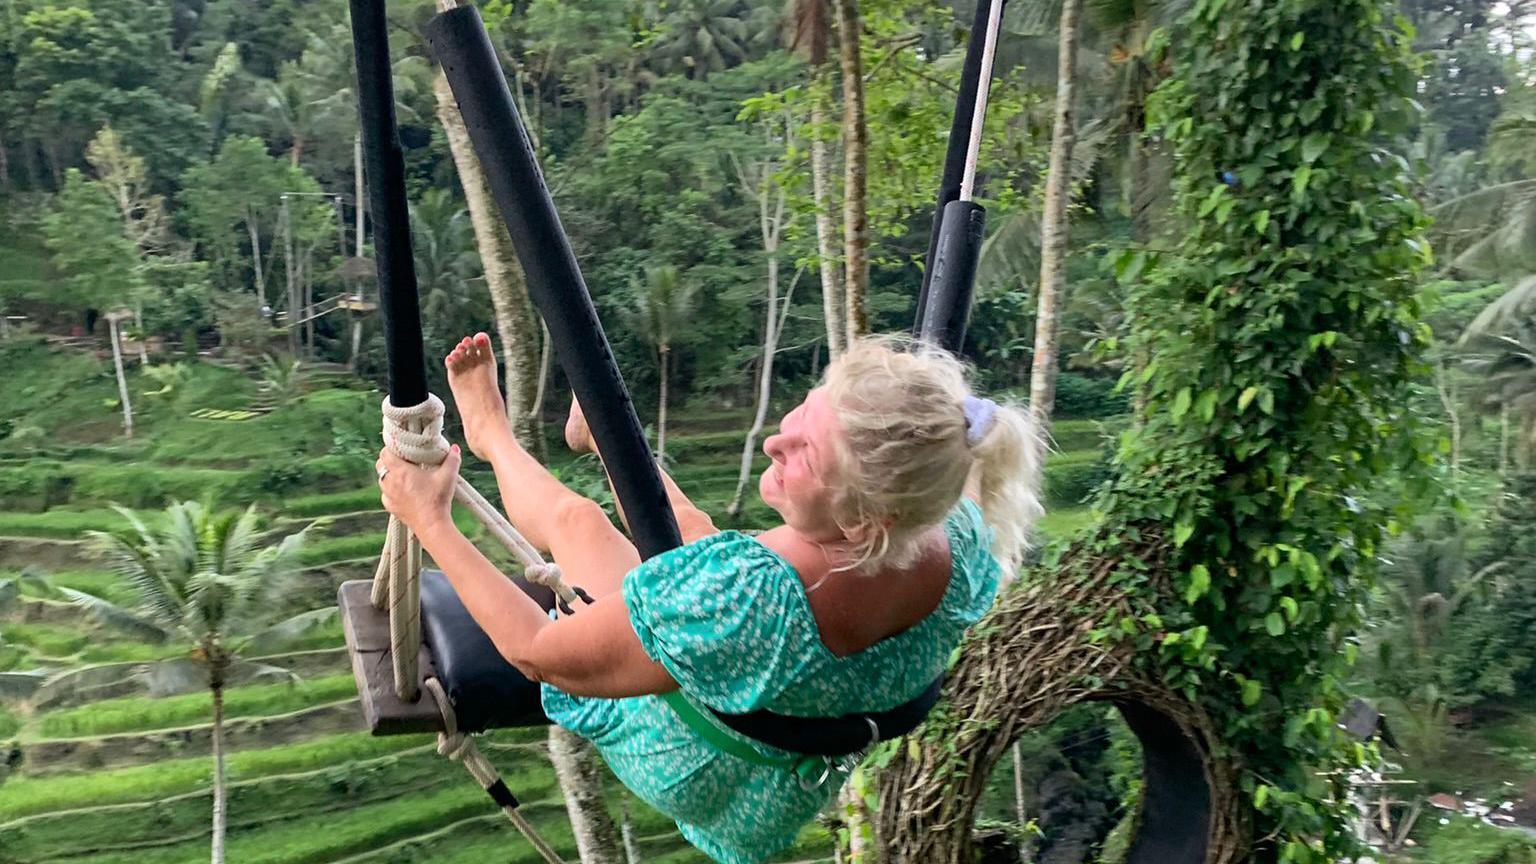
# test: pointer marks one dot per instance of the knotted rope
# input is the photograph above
(416, 433)
(461, 748)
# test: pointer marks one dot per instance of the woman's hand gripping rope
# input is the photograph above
(421, 496)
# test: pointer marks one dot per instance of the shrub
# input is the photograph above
(1086, 396)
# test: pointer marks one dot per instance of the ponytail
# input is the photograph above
(1006, 472)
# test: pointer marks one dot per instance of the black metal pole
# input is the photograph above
(458, 40)
(959, 139)
(947, 303)
(384, 166)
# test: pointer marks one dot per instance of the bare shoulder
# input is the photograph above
(807, 560)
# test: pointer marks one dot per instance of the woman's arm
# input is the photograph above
(592, 653)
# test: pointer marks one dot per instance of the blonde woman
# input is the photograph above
(904, 499)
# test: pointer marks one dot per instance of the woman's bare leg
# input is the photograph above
(574, 530)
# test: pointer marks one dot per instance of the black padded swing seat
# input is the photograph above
(489, 693)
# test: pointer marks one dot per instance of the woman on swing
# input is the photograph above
(904, 499)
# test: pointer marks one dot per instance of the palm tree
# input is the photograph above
(290, 109)
(447, 264)
(704, 36)
(1504, 353)
(206, 581)
(662, 303)
(1053, 229)
(516, 324)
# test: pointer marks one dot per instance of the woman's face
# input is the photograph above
(796, 484)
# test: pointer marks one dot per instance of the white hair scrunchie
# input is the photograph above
(980, 415)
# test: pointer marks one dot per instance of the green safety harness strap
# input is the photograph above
(812, 771)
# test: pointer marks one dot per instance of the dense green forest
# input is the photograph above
(189, 314)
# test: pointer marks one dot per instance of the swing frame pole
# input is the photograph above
(384, 168)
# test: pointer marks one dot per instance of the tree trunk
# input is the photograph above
(5, 168)
(294, 311)
(255, 234)
(307, 285)
(773, 329)
(1447, 396)
(826, 222)
(362, 206)
(661, 410)
(627, 828)
(1020, 812)
(516, 324)
(546, 349)
(579, 772)
(1503, 440)
(855, 157)
(138, 323)
(220, 816)
(122, 379)
(1053, 236)
(357, 341)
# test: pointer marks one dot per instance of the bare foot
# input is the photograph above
(472, 377)
(578, 436)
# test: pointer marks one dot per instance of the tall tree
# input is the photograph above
(207, 582)
(516, 325)
(761, 180)
(663, 302)
(850, 29)
(1053, 233)
(810, 29)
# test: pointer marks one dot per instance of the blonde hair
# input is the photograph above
(904, 458)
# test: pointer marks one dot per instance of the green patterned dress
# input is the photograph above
(729, 618)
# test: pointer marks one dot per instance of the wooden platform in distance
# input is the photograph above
(367, 632)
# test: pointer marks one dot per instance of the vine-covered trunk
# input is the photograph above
(827, 263)
(220, 804)
(855, 173)
(1214, 600)
(1054, 223)
(580, 774)
(516, 325)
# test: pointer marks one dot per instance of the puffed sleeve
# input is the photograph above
(725, 616)
(974, 574)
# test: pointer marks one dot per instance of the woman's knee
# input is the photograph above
(583, 517)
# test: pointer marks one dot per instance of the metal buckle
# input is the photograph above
(802, 776)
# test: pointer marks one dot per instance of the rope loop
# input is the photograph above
(546, 574)
(416, 431)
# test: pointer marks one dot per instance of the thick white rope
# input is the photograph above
(416, 433)
(461, 748)
(983, 91)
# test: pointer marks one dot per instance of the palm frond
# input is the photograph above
(118, 618)
(135, 562)
(1518, 303)
(77, 684)
(245, 672)
(174, 676)
(1010, 255)
(283, 634)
